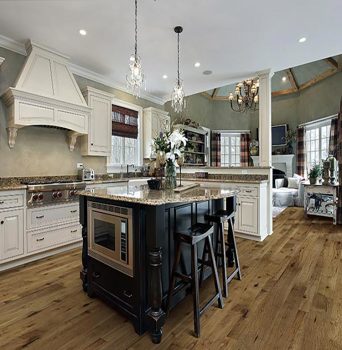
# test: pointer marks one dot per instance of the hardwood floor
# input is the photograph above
(290, 298)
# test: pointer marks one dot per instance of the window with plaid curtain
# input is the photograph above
(333, 137)
(216, 149)
(300, 156)
(244, 149)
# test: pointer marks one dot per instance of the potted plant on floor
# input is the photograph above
(314, 174)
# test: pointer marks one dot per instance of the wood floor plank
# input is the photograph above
(289, 298)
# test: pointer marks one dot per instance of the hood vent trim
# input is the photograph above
(46, 93)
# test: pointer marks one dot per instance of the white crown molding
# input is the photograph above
(12, 45)
(18, 47)
(99, 78)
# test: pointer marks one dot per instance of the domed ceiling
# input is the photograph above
(290, 80)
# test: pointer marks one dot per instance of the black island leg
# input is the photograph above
(84, 271)
(156, 314)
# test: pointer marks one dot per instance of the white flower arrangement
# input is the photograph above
(171, 144)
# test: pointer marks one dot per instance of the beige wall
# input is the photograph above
(44, 151)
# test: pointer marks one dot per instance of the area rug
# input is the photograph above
(277, 210)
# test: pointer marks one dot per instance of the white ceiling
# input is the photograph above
(233, 39)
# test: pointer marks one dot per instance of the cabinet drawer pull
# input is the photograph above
(73, 211)
(2, 202)
(96, 275)
(40, 217)
(248, 191)
(127, 294)
(40, 239)
(73, 231)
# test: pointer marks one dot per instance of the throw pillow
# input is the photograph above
(293, 182)
(301, 178)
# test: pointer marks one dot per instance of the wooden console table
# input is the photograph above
(320, 200)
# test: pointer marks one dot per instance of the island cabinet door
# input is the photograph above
(11, 233)
(247, 215)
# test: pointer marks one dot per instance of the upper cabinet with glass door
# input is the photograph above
(155, 121)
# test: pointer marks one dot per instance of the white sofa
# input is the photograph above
(288, 197)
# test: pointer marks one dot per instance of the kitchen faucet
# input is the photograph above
(128, 165)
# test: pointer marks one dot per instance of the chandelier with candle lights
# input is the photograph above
(246, 96)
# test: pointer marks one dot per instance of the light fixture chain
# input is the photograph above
(178, 74)
(136, 29)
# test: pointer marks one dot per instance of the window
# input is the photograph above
(230, 149)
(317, 138)
(125, 136)
(124, 150)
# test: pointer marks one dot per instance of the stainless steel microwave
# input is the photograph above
(110, 235)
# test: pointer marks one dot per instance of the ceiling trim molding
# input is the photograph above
(12, 45)
(99, 78)
(18, 47)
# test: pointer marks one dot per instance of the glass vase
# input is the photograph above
(170, 175)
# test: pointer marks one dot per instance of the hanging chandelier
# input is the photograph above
(178, 102)
(246, 96)
(135, 77)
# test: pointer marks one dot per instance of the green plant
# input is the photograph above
(315, 171)
(291, 136)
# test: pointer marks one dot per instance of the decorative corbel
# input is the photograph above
(72, 138)
(12, 135)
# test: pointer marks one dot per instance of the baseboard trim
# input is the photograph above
(28, 259)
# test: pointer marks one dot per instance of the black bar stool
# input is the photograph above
(226, 250)
(195, 235)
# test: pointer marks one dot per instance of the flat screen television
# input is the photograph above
(278, 134)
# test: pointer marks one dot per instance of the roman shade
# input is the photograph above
(124, 122)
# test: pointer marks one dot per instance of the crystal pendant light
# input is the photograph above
(178, 101)
(135, 77)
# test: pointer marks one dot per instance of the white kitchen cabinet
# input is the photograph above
(247, 215)
(251, 214)
(98, 141)
(11, 233)
(155, 121)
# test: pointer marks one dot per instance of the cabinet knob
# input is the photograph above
(2, 222)
(92, 144)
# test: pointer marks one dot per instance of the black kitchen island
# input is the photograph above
(128, 246)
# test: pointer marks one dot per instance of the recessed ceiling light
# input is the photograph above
(283, 79)
(302, 40)
(197, 64)
(83, 32)
(164, 76)
(207, 72)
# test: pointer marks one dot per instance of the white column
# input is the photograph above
(265, 136)
(265, 118)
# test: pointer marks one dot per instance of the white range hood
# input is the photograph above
(46, 94)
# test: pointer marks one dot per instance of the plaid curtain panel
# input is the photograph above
(215, 149)
(244, 149)
(339, 158)
(300, 156)
(333, 137)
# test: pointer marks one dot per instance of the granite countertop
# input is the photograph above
(239, 181)
(95, 182)
(11, 186)
(143, 195)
